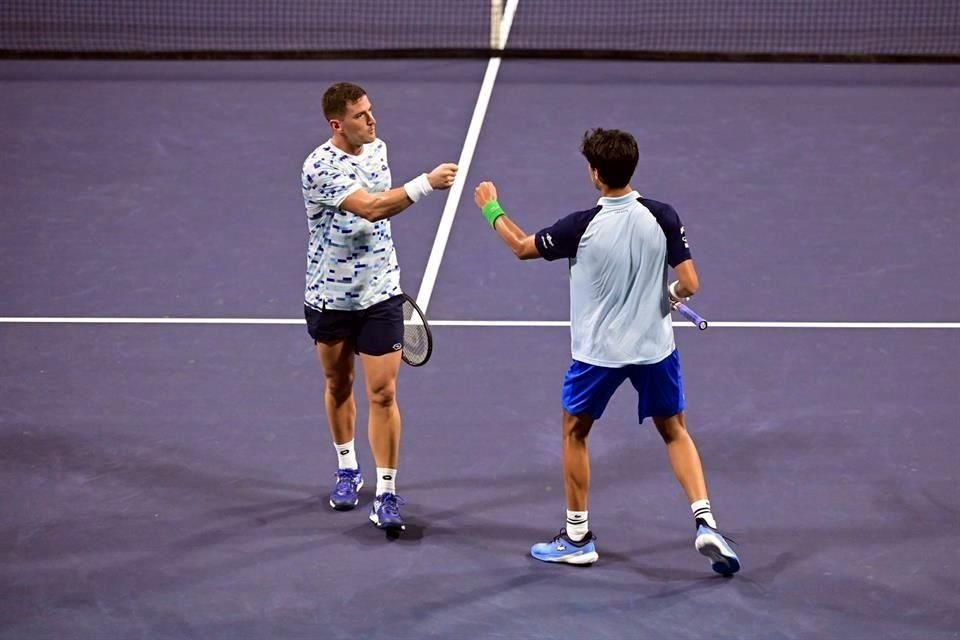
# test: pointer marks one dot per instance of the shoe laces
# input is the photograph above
(346, 479)
(390, 503)
(722, 534)
(726, 536)
(566, 538)
(557, 537)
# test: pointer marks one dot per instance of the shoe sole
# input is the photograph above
(721, 563)
(348, 507)
(582, 558)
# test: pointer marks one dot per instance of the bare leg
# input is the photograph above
(683, 456)
(686, 466)
(576, 483)
(384, 426)
(576, 460)
(336, 358)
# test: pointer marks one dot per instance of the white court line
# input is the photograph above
(479, 323)
(466, 157)
(720, 324)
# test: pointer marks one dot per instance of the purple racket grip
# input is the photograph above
(692, 316)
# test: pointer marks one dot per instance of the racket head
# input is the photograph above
(417, 336)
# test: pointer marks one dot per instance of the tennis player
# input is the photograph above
(620, 328)
(353, 302)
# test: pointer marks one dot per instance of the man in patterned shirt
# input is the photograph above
(353, 302)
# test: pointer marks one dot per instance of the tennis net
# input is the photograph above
(568, 28)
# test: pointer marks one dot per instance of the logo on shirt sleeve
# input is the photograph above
(547, 240)
(683, 237)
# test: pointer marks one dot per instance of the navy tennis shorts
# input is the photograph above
(587, 388)
(375, 331)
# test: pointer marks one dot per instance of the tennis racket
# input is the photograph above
(690, 315)
(417, 337)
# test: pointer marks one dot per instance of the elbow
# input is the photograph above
(371, 209)
(375, 212)
(383, 208)
(525, 249)
(365, 212)
(525, 252)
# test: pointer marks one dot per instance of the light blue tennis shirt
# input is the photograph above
(351, 262)
(619, 252)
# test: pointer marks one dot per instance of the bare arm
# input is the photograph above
(687, 283)
(378, 206)
(520, 242)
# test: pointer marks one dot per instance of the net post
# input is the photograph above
(496, 19)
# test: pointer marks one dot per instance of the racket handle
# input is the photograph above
(691, 315)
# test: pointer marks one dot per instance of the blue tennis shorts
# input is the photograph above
(587, 388)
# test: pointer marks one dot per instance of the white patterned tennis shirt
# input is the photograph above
(351, 262)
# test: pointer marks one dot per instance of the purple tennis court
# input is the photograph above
(164, 453)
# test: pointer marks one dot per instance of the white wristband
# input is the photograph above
(418, 187)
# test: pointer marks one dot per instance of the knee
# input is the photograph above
(576, 430)
(383, 396)
(339, 385)
(671, 429)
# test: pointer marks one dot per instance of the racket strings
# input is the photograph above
(416, 340)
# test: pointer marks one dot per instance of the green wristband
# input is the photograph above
(492, 210)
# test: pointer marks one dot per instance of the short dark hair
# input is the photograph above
(613, 153)
(336, 98)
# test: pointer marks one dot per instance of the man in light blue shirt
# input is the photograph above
(620, 328)
(352, 301)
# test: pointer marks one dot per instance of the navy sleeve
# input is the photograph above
(678, 249)
(561, 239)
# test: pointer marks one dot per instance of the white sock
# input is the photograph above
(386, 481)
(346, 455)
(701, 511)
(577, 527)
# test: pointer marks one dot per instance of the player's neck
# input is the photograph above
(341, 143)
(619, 192)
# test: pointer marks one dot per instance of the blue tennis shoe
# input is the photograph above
(563, 549)
(385, 512)
(710, 543)
(345, 494)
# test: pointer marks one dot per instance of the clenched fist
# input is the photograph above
(484, 193)
(443, 176)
